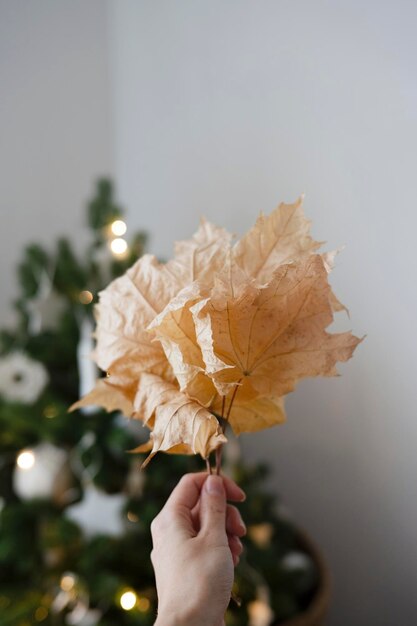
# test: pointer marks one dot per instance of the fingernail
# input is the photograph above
(242, 526)
(214, 485)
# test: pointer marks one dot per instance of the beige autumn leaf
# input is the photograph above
(109, 396)
(180, 425)
(124, 310)
(124, 348)
(255, 346)
(201, 257)
(276, 239)
(251, 416)
(274, 335)
(174, 327)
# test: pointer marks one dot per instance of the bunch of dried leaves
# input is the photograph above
(219, 334)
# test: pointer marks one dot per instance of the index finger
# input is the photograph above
(187, 492)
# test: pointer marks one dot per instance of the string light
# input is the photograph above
(41, 613)
(143, 605)
(26, 459)
(67, 582)
(261, 534)
(118, 246)
(118, 228)
(260, 613)
(85, 297)
(132, 517)
(128, 600)
(50, 411)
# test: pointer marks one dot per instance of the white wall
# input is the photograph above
(55, 124)
(226, 108)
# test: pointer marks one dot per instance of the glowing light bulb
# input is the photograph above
(132, 517)
(26, 459)
(67, 582)
(50, 411)
(261, 534)
(128, 600)
(143, 605)
(85, 297)
(260, 613)
(118, 246)
(41, 613)
(118, 228)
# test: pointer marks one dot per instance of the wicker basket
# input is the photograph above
(315, 615)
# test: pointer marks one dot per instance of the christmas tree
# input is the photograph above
(75, 507)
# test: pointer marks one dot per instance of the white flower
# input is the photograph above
(296, 561)
(21, 379)
(39, 479)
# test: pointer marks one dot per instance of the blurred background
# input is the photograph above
(224, 109)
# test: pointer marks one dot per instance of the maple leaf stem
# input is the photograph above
(232, 400)
(225, 420)
(208, 466)
(219, 451)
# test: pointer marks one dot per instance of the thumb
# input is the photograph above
(213, 510)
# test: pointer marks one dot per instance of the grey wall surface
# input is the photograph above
(226, 108)
(56, 132)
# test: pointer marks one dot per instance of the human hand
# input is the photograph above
(196, 544)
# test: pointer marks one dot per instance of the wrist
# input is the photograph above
(163, 619)
(168, 621)
(169, 618)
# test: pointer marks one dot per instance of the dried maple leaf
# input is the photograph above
(174, 327)
(124, 310)
(124, 348)
(110, 396)
(276, 239)
(256, 345)
(180, 425)
(273, 335)
(202, 256)
(251, 416)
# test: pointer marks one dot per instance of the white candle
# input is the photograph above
(87, 369)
